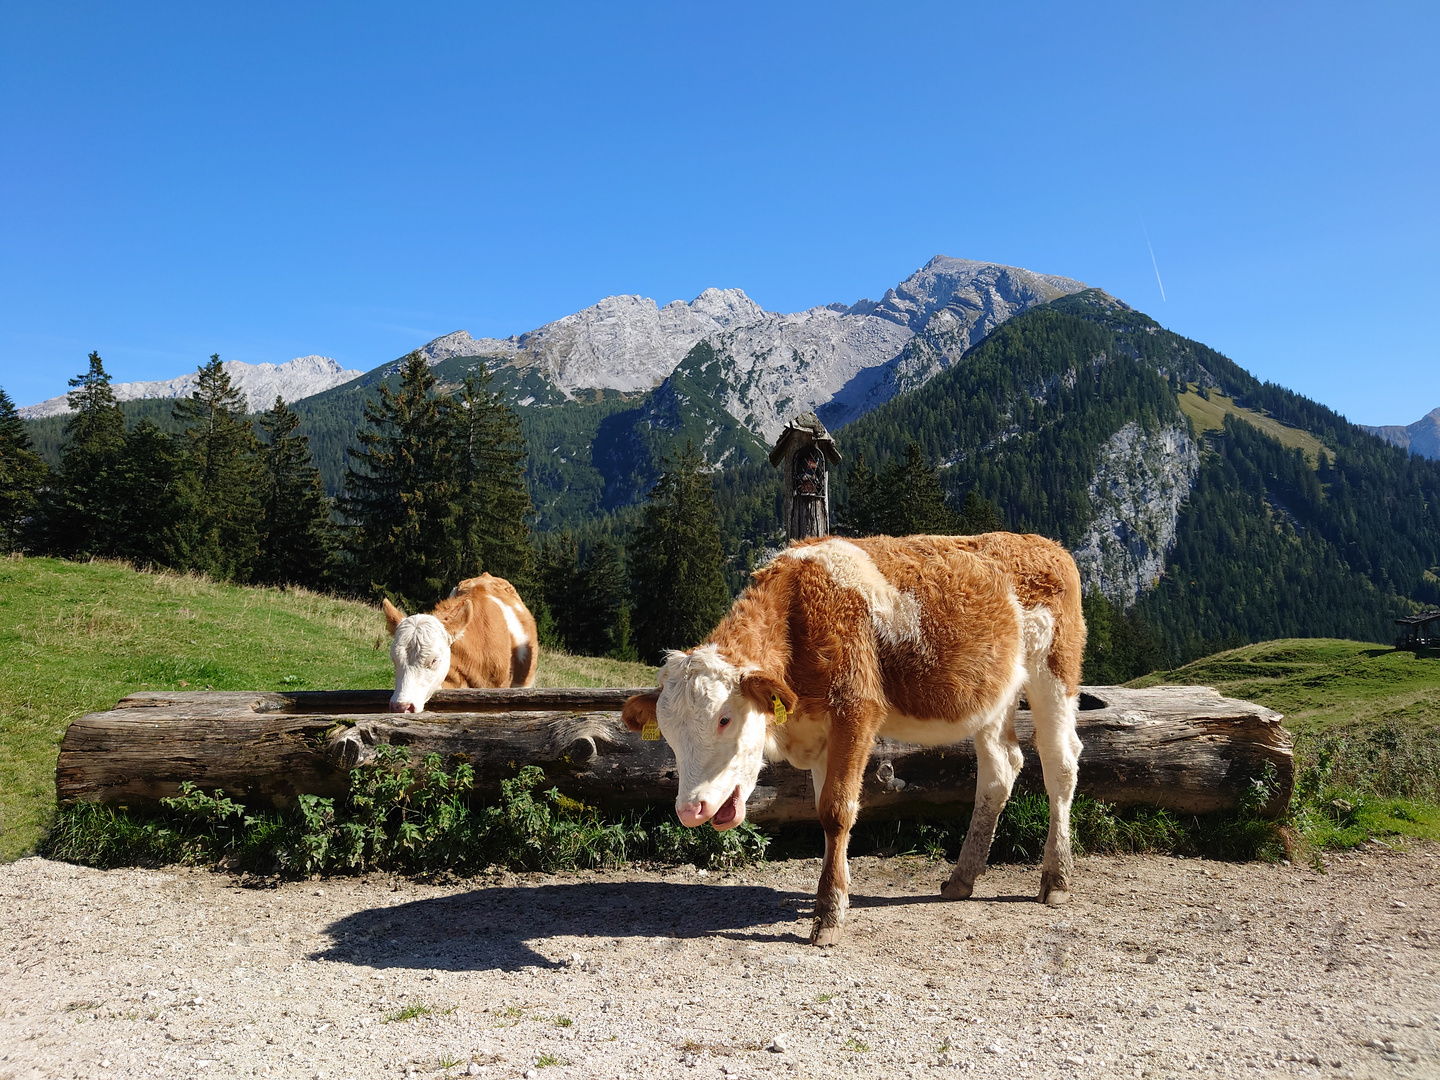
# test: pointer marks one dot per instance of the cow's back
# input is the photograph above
(958, 598)
(499, 647)
(946, 641)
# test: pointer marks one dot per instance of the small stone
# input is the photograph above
(472, 1069)
(1193, 1007)
(994, 1048)
(778, 1045)
(1152, 958)
(1150, 1011)
(531, 1074)
(1074, 1059)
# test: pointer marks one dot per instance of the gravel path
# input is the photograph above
(1161, 967)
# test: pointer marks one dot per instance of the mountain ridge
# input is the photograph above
(1422, 437)
(302, 377)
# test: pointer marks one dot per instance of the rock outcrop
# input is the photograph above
(1137, 491)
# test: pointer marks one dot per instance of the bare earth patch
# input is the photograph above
(1161, 967)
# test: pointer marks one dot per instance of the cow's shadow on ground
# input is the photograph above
(494, 928)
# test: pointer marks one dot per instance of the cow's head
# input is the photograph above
(715, 716)
(421, 653)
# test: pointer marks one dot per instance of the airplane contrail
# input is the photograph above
(1153, 262)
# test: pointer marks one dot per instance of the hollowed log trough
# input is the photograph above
(1183, 748)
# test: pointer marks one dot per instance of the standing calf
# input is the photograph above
(480, 635)
(925, 639)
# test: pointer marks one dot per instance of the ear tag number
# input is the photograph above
(781, 715)
(651, 731)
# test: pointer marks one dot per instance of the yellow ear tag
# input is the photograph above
(781, 715)
(651, 731)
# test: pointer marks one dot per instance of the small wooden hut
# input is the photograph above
(804, 452)
(1419, 631)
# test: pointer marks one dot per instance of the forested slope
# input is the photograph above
(1266, 545)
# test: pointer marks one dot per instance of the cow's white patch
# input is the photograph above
(1037, 630)
(894, 613)
(512, 622)
(716, 732)
(421, 655)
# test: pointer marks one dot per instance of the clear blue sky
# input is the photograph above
(268, 181)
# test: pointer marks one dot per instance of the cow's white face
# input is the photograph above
(421, 654)
(717, 733)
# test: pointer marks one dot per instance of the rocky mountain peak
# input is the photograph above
(260, 383)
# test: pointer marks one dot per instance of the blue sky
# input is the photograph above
(268, 181)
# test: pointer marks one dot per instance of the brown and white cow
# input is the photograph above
(926, 639)
(480, 635)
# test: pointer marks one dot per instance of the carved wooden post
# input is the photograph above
(804, 452)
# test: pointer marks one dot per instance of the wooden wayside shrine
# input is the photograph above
(1183, 748)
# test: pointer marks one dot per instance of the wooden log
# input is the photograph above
(1183, 748)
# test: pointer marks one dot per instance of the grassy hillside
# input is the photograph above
(1366, 721)
(77, 637)
(1208, 414)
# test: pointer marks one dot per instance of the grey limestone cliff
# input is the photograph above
(1137, 491)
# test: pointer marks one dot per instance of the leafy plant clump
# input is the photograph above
(397, 816)
(1097, 828)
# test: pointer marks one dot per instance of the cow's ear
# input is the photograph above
(764, 689)
(456, 622)
(393, 615)
(639, 710)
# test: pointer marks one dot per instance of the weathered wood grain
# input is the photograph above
(1186, 749)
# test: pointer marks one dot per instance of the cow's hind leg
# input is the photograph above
(1059, 750)
(998, 761)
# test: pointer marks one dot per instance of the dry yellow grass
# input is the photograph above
(1210, 416)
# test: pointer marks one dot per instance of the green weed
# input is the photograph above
(409, 1012)
(397, 816)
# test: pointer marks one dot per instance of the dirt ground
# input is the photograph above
(1160, 967)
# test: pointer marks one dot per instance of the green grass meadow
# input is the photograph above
(78, 637)
(1366, 721)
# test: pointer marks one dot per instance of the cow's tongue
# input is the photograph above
(726, 813)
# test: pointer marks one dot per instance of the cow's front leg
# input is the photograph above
(998, 762)
(839, 803)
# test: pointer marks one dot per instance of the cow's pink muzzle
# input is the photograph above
(726, 816)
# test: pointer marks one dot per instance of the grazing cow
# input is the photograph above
(480, 635)
(925, 639)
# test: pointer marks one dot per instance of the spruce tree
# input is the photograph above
(916, 501)
(21, 475)
(82, 516)
(904, 498)
(979, 515)
(601, 616)
(676, 560)
(296, 537)
(857, 515)
(492, 500)
(400, 498)
(557, 572)
(218, 447)
(154, 500)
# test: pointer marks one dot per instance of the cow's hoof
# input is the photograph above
(956, 890)
(1053, 890)
(826, 935)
